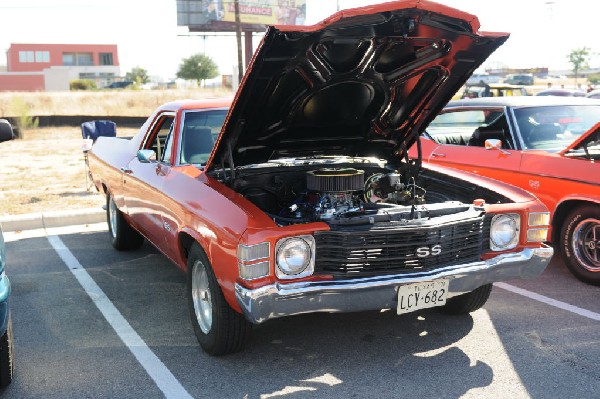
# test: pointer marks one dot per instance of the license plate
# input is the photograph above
(424, 295)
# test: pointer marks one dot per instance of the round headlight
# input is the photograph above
(504, 233)
(293, 256)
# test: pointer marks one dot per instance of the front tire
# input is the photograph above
(219, 329)
(123, 237)
(6, 355)
(469, 302)
(580, 243)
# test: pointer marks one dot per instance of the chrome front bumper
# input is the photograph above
(380, 292)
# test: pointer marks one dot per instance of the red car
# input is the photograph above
(305, 200)
(549, 146)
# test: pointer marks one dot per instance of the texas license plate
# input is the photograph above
(424, 295)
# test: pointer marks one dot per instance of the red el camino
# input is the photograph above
(549, 146)
(305, 199)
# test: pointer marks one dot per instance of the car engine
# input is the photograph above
(353, 192)
(344, 196)
(357, 193)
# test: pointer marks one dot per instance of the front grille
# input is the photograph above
(386, 251)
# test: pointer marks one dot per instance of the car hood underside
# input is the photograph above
(364, 82)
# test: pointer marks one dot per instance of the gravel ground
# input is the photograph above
(45, 171)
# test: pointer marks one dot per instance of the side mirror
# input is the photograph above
(6, 131)
(146, 156)
(495, 144)
(491, 144)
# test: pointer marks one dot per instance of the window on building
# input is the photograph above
(85, 59)
(42, 56)
(68, 58)
(26, 56)
(106, 59)
(87, 75)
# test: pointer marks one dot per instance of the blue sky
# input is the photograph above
(542, 31)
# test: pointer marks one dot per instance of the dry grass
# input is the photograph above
(45, 171)
(100, 103)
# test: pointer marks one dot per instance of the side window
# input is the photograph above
(158, 138)
(471, 127)
(166, 155)
(456, 127)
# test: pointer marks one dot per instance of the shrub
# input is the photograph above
(594, 78)
(82, 84)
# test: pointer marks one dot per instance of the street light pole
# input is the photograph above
(238, 36)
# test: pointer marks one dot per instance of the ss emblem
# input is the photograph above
(423, 252)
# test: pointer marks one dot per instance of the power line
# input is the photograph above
(72, 6)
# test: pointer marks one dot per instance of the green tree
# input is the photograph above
(198, 67)
(138, 75)
(579, 58)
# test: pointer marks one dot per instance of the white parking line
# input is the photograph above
(155, 368)
(549, 301)
(11, 236)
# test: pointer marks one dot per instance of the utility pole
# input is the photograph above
(238, 36)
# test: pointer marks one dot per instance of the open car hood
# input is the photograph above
(364, 82)
(591, 135)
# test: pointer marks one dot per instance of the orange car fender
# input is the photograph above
(579, 198)
(222, 257)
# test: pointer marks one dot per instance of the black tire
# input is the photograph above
(123, 237)
(469, 302)
(6, 355)
(579, 243)
(219, 329)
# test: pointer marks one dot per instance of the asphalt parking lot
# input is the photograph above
(91, 322)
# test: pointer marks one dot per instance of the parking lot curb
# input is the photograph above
(44, 220)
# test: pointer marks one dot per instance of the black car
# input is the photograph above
(119, 85)
(525, 79)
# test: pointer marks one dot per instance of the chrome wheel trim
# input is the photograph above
(586, 244)
(112, 217)
(201, 297)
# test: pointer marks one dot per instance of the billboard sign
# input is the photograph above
(252, 12)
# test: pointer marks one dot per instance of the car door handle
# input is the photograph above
(126, 170)
(438, 155)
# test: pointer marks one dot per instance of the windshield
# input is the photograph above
(553, 128)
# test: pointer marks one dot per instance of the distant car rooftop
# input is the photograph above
(522, 101)
(561, 93)
(493, 90)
